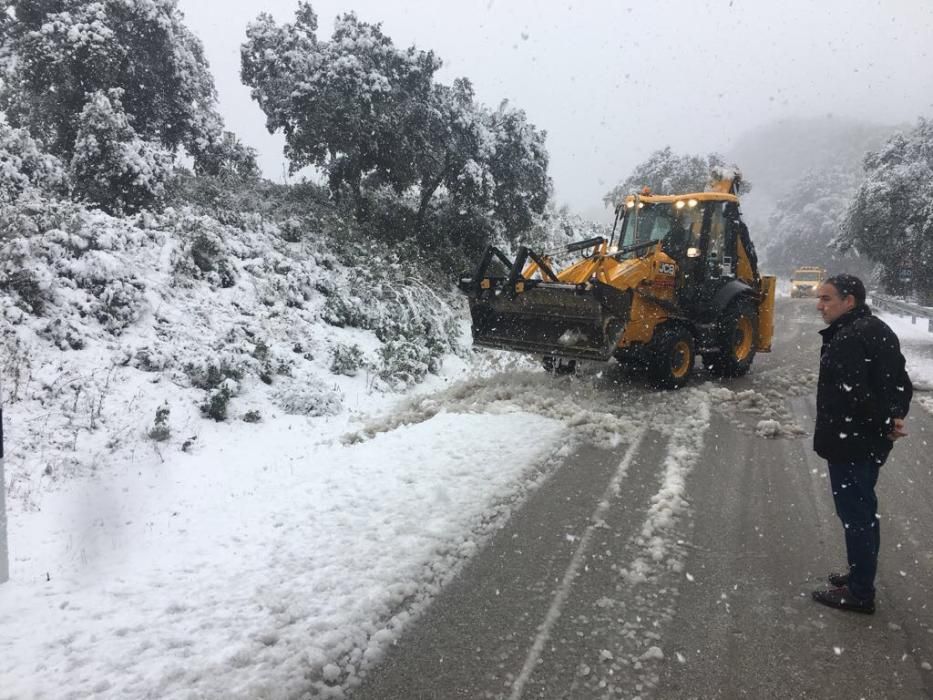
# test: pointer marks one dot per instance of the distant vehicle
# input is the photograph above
(805, 281)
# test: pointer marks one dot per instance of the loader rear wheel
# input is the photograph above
(673, 354)
(737, 338)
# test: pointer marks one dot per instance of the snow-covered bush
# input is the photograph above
(344, 310)
(307, 396)
(204, 254)
(414, 324)
(160, 430)
(212, 372)
(346, 359)
(51, 250)
(404, 363)
(65, 335)
(112, 167)
(217, 399)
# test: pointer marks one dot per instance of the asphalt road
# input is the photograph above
(679, 563)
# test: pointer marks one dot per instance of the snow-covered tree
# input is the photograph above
(351, 105)
(227, 156)
(112, 167)
(55, 53)
(24, 167)
(891, 216)
(371, 116)
(665, 172)
(806, 221)
(518, 166)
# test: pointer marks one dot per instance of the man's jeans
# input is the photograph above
(853, 486)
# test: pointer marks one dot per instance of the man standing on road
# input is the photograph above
(862, 398)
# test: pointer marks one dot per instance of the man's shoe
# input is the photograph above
(842, 599)
(838, 580)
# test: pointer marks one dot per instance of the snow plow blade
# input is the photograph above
(576, 321)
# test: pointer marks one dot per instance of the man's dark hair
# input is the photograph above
(848, 284)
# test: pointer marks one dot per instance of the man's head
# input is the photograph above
(838, 295)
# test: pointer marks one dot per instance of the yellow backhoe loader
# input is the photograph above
(679, 280)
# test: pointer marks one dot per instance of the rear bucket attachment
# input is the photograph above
(546, 317)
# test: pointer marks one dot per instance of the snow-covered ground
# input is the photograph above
(272, 546)
(267, 559)
(917, 346)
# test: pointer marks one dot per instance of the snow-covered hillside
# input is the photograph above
(206, 477)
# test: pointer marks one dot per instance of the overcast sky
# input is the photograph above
(611, 82)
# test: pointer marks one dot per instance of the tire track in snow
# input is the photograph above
(573, 569)
(613, 638)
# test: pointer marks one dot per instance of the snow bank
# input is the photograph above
(264, 549)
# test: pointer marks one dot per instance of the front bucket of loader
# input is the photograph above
(581, 322)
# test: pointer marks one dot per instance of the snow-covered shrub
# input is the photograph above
(112, 167)
(63, 334)
(25, 167)
(59, 254)
(346, 359)
(217, 399)
(160, 430)
(404, 363)
(119, 303)
(307, 396)
(291, 229)
(204, 254)
(147, 359)
(212, 372)
(343, 310)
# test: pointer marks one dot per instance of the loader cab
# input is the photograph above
(701, 232)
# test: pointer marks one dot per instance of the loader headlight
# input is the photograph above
(693, 252)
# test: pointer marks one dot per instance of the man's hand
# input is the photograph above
(899, 430)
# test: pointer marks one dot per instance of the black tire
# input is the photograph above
(558, 366)
(672, 356)
(737, 340)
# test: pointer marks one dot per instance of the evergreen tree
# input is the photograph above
(372, 118)
(806, 221)
(665, 172)
(55, 53)
(890, 218)
(112, 167)
(350, 106)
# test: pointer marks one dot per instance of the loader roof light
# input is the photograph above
(692, 203)
(630, 203)
(641, 205)
(679, 204)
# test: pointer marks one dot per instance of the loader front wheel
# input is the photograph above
(673, 354)
(737, 338)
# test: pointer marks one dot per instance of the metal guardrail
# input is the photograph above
(4, 553)
(903, 308)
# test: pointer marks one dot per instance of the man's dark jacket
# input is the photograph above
(863, 387)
